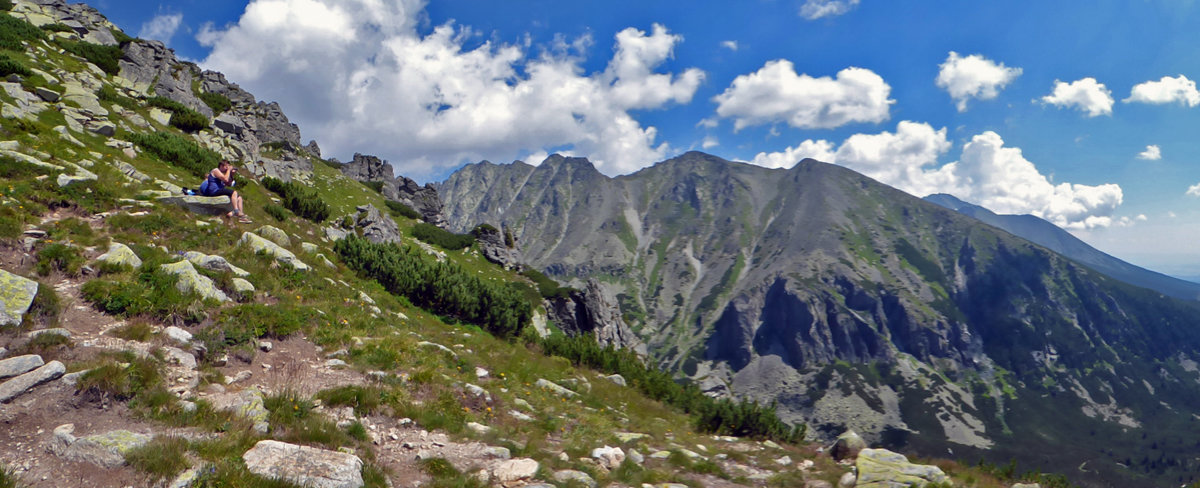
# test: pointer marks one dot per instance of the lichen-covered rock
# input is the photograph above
(19, 365)
(848, 445)
(247, 404)
(260, 245)
(105, 450)
(514, 470)
(305, 466)
(17, 386)
(16, 296)
(554, 388)
(275, 234)
(243, 288)
(573, 476)
(609, 457)
(191, 281)
(120, 255)
(881, 468)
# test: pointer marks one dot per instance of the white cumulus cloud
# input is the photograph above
(776, 93)
(1152, 153)
(710, 142)
(357, 76)
(1087, 95)
(815, 9)
(730, 45)
(987, 173)
(161, 27)
(973, 76)
(1167, 90)
(1193, 190)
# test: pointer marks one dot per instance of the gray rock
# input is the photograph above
(265, 346)
(16, 296)
(306, 466)
(847, 480)
(609, 457)
(309, 247)
(335, 234)
(594, 311)
(554, 388)
(55, 331)
(106, 450)
(104, 128)
(70, 379)
(616, 378)
(514, 470)
(571, 475)
(198, 204)
(81, 176)
(130, 171)
(274, 234)
(284, 256)
(243, 288)
(213, 262)
(120, 255)
(478, 428)
(19, 365)
(817, 484)
(230, 123)
(247, 404)
(335, 363)
(19, 385)
(152, 65)
(636, 457)
(376, 227)
(847, 446)
(190, 281)
(186, 478)
(475, 390)
(46, 94)
(881, 468)
(492, 243)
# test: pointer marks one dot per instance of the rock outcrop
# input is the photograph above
(120, 255)
(376, 227)
(106, 450)
(305, 466)
(881, 468)
(594, 311)
(498, 247)
(261, 245)
(85, 22)
(423, 199)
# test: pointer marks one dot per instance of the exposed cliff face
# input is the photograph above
(496, 248)
(849, 302)
(594, 311)
(423, 199)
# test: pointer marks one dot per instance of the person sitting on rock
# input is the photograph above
(218, 183)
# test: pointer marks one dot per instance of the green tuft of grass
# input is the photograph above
(365, 399)
(232, 472)
(279, 213)
(121, 378)
(59, 257)
(105, 57)
(57, 27)
(10, 66)
(8, 477)
(216, 101)
(137, 330)
(46, 307)
(162, 458)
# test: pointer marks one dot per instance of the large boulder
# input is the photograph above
(275, 234)
(305, 466)
(881, 468)
(423, 199)
(497, 247)
(16, 296)
(594, 311)
(213, 262)
(191, 281)
(105, 450)
(377, 227)
(19, 365)
(199, 204)
(260, 245)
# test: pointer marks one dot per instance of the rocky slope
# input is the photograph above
(1052, 237)
(851, 303)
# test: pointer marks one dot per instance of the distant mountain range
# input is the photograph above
(1056, 239)
(853, 304)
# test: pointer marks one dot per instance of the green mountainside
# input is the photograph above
(850, 303)
(147, 340)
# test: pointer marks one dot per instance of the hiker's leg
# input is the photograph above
(237, 203)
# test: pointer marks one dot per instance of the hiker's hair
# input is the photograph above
(224, 162)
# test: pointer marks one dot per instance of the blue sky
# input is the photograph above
(1083, 113)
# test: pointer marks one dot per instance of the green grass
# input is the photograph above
(57, 27)
(10, 66)
(277, 212)
(177, 151)
(216, 101)
(441, 237)
(14, 30)
(59, 257)
(8, 477)
(402, 210)
(304, 202)
(124, 376)
(45, 309)
(162, 458)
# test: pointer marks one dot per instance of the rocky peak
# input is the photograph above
(86, 21)
(369, 168)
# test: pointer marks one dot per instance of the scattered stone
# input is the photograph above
(627, 437)
(176, 356)
(478, 391)
(191, 281)
(185, 478)
(46, 94)
(616, 378)
(305, 466)
(497, 452)
(3, 351)
(19, 365)
(817, 484)
(241, 376)
(573, 476)
(881, 468)
(514, 470)
(848, 445)
(437, 346)
(690, 454)
(847, 480)
(242, 288)
(335, 363)
(284, 256)
(214, 263)
(516, 414)
(784, 461)
(660, 455)
(70, 379)
(636, 457)
(178, 335)
(771, 444)
(309, 247)
(16, 295)
(609, 457)
(265, 346)
(478, 428)
(275, 234)
(120, 255)
(1026, 485)
(481, 373)
(554, 388)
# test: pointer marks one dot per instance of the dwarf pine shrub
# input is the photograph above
(177, 151)
(304, 202)
(441, 237)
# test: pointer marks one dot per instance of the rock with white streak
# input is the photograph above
(305, 466)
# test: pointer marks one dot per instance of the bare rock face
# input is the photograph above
(86, 21)
(497, 247)
(376, 227)
(152, 65)
(305, 466)
(594, 311)
(423, 199)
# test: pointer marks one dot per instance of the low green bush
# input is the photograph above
(365, 399)
(216, 101)
(441, 237)
(14, 30)
(243, 324)
(443, 288)
(304, 202)
(10, 66)
(106, 57)
(151, 293)
(46, 307)
(177, 151)
(5, 5)
(188, 121)
(121, 37)
(162, 458)
(402, 210)
(276, 211)
(374, 185)
(547, 287)
(57, 27)
(59, 257)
